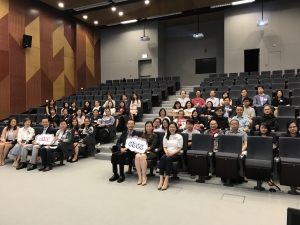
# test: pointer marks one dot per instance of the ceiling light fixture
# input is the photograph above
(113, 9)
(221, 5)
(262, 22)
(242, 2)
(61, 5)
(85, 17)
(92, 6)
(120, 13)
(95, 22)
(129, 21)
(198, 35)
(147, 2)
(164, 15)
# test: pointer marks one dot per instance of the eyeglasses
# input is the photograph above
(293, 127)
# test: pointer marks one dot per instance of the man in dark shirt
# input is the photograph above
(221, 120)
(120, 153)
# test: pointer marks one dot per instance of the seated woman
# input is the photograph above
(109, 99)
(65, 106)
(163, 114)
(73, 109)
(172, 143)
(165, 125)
(279, 99)
(95, 118)
(180, 120)
(87, 109)
(267, 118)
(75, 126)
(225, 95)
(292, 129)
(120, 111)
(51, 104)
(198, 122)
(175, 109)
(208, 110)
(53, 118)
(102, 125)
(80, 117)
(188, 108)
(134, 105)
(141, 159)
(111, 107)
(66, 117)
(62, 135)
(9, 137)
(25, 136)
(98, 107)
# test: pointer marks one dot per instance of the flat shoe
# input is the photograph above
(139, 182)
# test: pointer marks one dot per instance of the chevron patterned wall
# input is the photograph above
(64, 57)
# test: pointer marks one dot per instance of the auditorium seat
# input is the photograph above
(252, 81)
(236, 88)
(259, 160)
(278, 86)
(233, 74)
(60, 103)
(220, 79)
(41, 110)
(266, 73)
(293, 85)
(213, 75)
(289, 71)
(222, 75)
(240, 82)
(260, 110)
(265, 76)
(235, 94)
(138, 91)
(277, 72)
(282, 121)
(249, 87)
(243, 74)
(228, 83)
(223, 88)
(256, 73)
(286, 111)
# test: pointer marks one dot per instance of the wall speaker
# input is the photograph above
(27, 41)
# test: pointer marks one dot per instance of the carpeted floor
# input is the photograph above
(80, 193)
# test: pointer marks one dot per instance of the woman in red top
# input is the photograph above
(198, 101)
(180, 120)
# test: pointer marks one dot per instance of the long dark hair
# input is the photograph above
(9, 126)
(64, 105)
(162, 109)
(277, 93)
(177, 102)
(267, 126)
(287, 127)
(168, 122)
(187, 103)
(83, 125)
(80, 111)
(50, 100)
(71, 125)
(145, 133)
(87, 108)
(168, 132)
(132, 99)
(197, 114)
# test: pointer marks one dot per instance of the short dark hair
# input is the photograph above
(131, 120)
(246, 99)
(45, 118)
(219, 108)
(239, 106)
(289, 123)
(260, 86)
(267, 126)
(157, 119)
(190, 121)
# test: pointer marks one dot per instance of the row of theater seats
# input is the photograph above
(229, 164)
(256, 73)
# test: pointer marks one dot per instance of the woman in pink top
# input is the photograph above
(180, 120)
(80, 117)
(198, 101)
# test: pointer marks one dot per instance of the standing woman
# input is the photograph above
(134, 105)
(62, 135)
(74, 125)
(53, 118)
(25, 136)
(80, 117)
(8, 137)
(141, 159)
(172, 143)
(51, 105)
(87, 109)
(73, 109)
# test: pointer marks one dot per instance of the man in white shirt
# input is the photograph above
(212, 98)
(183, 99)
(249, 112)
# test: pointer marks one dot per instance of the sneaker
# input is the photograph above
(98, 145)
(192, 176)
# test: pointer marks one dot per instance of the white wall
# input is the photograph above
(121, 50)
(241, 32)
(182, 50)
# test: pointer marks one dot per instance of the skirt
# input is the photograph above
(16, 150)
(151, 155)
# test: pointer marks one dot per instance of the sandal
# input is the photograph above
(270, 183)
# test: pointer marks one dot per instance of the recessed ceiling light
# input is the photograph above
(147, 2)
(95, 22)
(129, 21)
(120, 13)
(61, 5)
(85, 17)
(113, 9)
(242, 2)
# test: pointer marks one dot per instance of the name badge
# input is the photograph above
(216, 135)
(265, 99)
(229, 110)
(280, 101)
(212, 110)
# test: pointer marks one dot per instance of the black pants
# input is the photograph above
(165, 164)
(119, 158)
(47, 155)
(101, 134)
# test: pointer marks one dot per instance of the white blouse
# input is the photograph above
(175, 141)
(189, 110)
(112, 111)
(25, 134)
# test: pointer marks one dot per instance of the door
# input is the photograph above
(274, 61)
(251, 60)
(145, 68)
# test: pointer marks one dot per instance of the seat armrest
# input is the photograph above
(241, 160)
(181, 154)
(276, 173)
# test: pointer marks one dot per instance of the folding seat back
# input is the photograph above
(233, 74)
(295, 92)
(240, 78)
(151, 79)
(65, 98)
(293, 85)
(213, 75)
(249, 87)
(235, 94)
(139, 83)
(285, 92)
(278, 86)
(266, 73)
(205, 84)
(219, 79)
(136, 87)
(228, 82)
(252, 81)
(259, 159)
(240, 82)
(287, 111)
(251, 93)
(205, 95)
(108, 81)
(294, 79)
(256, 73)
(236, 88)
(260, 110)
(102, 93)
(21, 118)
(265, 76)
(192, 95)
(167, 78)
(288, 75)
(227, 157)
(79, 93)
(159, 78)
(120, 92)
(80, 97)
(111, 89)
(222, 75)
(60, 103)
(136, 80)
(295, 100)
(145, 86)
(289, 71)
(104, 88)
(154, 86)
(216, 83)
(41, 110)
(289, 163)
(277, 72)
(32, 117)
(147, 91)
(198, 157)
(282, 121)
(138, 91)
(244, 74)
(223, 88)
(39, 118)
(89, 97)
(268, 92)
(276, 76)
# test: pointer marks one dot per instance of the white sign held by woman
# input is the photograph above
(45, 139)
(136, 144)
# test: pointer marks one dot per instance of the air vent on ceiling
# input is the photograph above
(92, 6)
